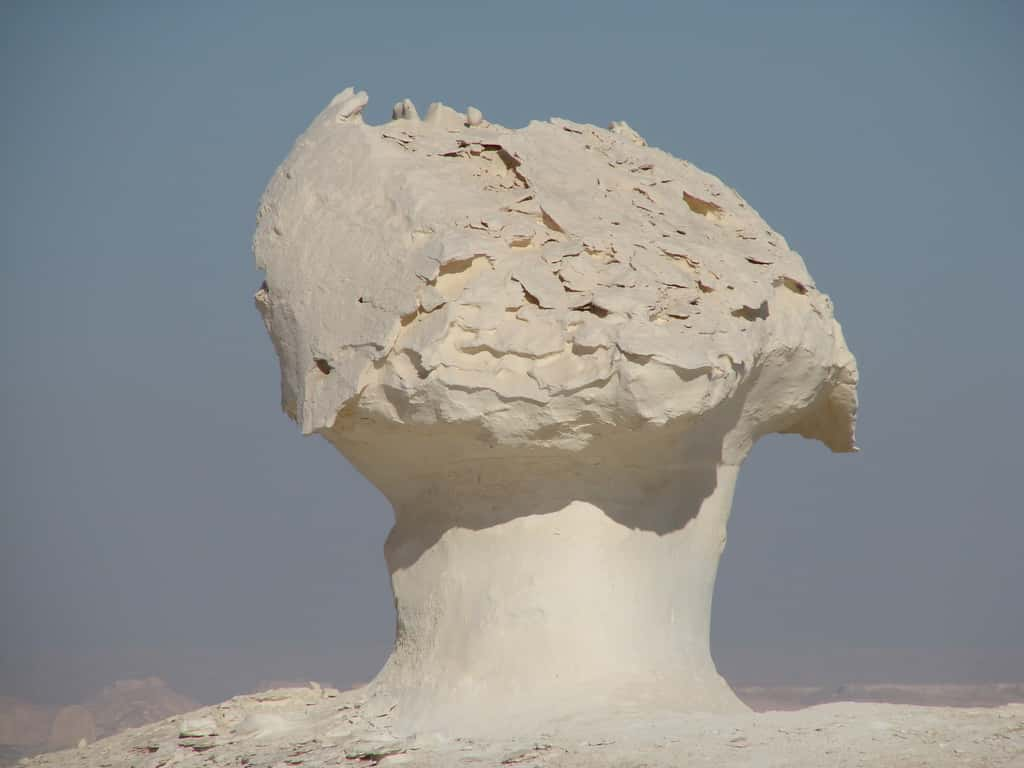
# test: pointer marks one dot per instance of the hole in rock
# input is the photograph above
(323, 366)
(703, 207)
(752, 314)
(593, 309)
(794, 285)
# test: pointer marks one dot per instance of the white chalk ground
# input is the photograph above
(317, 726)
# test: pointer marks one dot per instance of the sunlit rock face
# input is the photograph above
(551, 348)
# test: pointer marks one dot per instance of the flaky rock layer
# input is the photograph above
(551, 348)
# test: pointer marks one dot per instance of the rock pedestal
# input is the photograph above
(551, 349)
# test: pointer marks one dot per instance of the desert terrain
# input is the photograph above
(317, 726)
(144, 723)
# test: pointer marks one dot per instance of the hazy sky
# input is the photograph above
(160, 514)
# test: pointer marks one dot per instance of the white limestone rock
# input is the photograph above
(551, 349)
(197, 727)
(404, 110)
(349, 104)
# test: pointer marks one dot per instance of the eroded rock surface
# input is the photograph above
(551, 349)
(542, 286)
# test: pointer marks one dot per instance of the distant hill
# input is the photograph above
(130, 703)
(23, 724)
(27, 729)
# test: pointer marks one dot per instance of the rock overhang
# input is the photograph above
(551, 349)
(544, 284)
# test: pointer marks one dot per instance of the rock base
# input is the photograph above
(324, 727)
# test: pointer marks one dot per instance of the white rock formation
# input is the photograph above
(551, 348)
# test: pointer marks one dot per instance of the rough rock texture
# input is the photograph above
(537, 288)
(314, 727)
(550, 348)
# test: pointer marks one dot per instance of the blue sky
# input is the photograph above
(160, 515)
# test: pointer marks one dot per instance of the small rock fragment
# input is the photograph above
(621, 128)
(196, 727)
(352, 106)
(372, 749)
(345, 95)
(404, 110)
(443, 116)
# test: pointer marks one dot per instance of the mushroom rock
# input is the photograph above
(551, 349)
